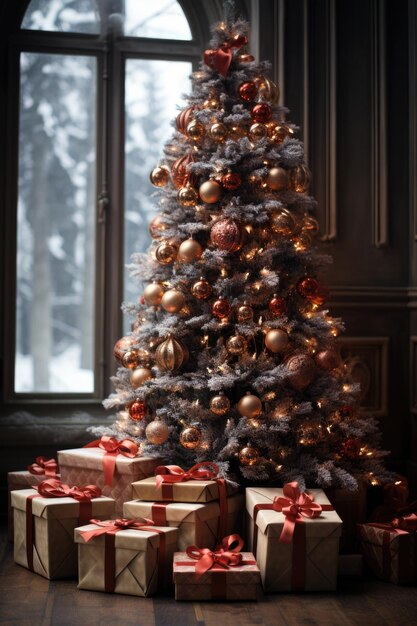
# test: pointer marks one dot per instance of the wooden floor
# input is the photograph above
(29, 600)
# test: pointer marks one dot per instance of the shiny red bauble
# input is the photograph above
(231, 181)
(277, 306)
(248, 91)
(261, 113)
(137, 410)
(221, 308)
(307, 286)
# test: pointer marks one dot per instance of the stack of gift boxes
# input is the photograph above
(138, 526)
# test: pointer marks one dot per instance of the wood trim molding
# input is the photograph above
(413, 374)
(373, 297)
(379, 160)
(412, 61)
(306, 82)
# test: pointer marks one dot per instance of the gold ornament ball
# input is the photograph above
(190, 250)
(244, 313)
(311, 225)
(201, 289)
(187, 196)
(159, 176)
(257, 131)
(219, 405)
(276, 340)
(139, 376)
(171, 354)
(173, 300)
(218, 131)
(283, 222)
(248, 455)
(277, 178)
(268, 90)
(195, 131)
(210, 191)
(122, 345)
(190, 437)
(250, 406)
(153, 294)
(157, 226)
(278, 133)
(300, 178)
(157, 432)
(131, 359)
(166, 253)
(236, 344)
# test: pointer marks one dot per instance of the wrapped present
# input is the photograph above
(25, 479)
(128, 556)
(223, 574)
(295, 538)
(199, 524)
(112, 465)
(394, 502)
(390, 549)
(44, 522)
(350, 505)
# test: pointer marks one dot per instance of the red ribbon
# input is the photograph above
(221, 58)
(226, 556)
(109, 528)
(113, 448)
(42, 466)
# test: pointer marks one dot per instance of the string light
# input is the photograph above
(223, 272)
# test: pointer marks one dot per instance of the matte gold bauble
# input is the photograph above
(327, 359)
(173, 300)
(131, 358)
(195, 131)
(250, 405)
(283, 222)
(300, 178)
(268, 90)
(277, 178)
(122, 345)
(218, 131)
(166, 253)
(244, 313)
(190, 250)
(159, 176)
(157, 226)
(139, 376)
(227, 235)
(219, 405)
(210, 191)
(257, 131)
(302, 371)
(187, 196)
(137, 410)
(248, 455)
(157, 432)
(201, 289)
(190, 437)
(153, 294)
(276, 340)
(236, 344)
(171, 354)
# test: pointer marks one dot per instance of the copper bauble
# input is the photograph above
(307, 287)
(140, 375)
(244, 313)
(201, 289)
(227, 235)
(327, 359)
(261, 113)
(250, 405)
(320, 296)
(245, 58)
(218, 131)
(219, 405)
(302, 371)
(190, 437)
(195, 131)
(276, 340)
(351, 448)
(212, 102)
(257, 131)
(300, 178)
(187, 196)
(159, 176)
(153, 294)
(236, 344)
(221, 308)
(278, 132)
(311, 225)
(173, 300)
(122, 346)
(157, 432)
(190, 250)
(231, 181)
(171, 354)
(137, 410)
(255, 179)
(277, 178)
(268, 90)
(277, 306)
(248, 91)
(166, 253)
(157, 226)
(131, 358)
(210, 191)
(183, 119)
(180, 170)
(248, 455)
(239, 40)
(283, 222)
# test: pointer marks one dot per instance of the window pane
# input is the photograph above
(70, 16)
(56, 224)
(162, 19)
(149, 113)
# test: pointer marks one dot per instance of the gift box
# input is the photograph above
(44, 529)
(200, 574)
(113, 468)
(295, 541)
(390, 550)
(351, 507)
(125, 556)
(197, 523)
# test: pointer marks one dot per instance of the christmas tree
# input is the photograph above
(233, 356)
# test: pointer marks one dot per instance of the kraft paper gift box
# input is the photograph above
(316, 569)
(187, 491)
(240, 582)
(133, 564)
(83, 466)
(197, 523)
(53, 520)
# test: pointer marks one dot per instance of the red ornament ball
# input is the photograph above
(327, 359)
(261, 113)
(231, 181)
(137, 410)
(239, 40)
(307, 286)
(248, 91)
(221, 308)
(277, 306)
(351, 448)
(227, 235)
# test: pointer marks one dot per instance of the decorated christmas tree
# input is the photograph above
(233, 356)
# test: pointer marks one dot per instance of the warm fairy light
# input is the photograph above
(254, 423)
(270, 395)
(309, 315)
(196, 402)
(397, 482)
(334, 332)
(249, 229)
(257, 286)
(204, 340)
(254, 356)
(319, 404)
(346, 388)
(209, 370)
(204, 446)
(278, 468)
(329, 428)
(223, 272)
(265, 271)
(246, 276)
(364, 451)
(314, 307)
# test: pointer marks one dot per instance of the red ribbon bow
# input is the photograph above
(221, 58)
(53, 488)
(226, 556)
(114, 526)
(174, 474)
(42, 466)
(407, 522)
(294, 505)
(113, 448)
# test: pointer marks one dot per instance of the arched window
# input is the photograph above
(92, 88)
